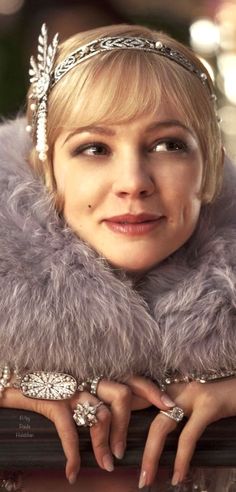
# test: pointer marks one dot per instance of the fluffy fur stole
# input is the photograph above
(62, 307)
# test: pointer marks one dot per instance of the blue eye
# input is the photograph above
(170, 145)
(90, 150)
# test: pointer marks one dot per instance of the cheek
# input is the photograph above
(82, 197)
(59, 171)
(183, 197)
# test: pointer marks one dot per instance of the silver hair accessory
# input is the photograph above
(85, 414)
(40, 77)
(125, 43)
(175, 413)
(44, 76)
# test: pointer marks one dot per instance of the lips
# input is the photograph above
(133, 219)
(134, 225)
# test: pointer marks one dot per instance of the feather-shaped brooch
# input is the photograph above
(40, 77)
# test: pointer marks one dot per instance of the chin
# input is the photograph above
(134, 265)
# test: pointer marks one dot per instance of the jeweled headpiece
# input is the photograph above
(44, 76)
(40, 76)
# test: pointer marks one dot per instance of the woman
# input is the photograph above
(116, 248)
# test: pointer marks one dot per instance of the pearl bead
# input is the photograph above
(42, 156)
(203, 76)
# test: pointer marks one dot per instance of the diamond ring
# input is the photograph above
(175, 413)
(85, 414)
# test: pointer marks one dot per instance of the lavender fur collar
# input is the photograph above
(63, 308)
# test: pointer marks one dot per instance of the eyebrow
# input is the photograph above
(102, 130)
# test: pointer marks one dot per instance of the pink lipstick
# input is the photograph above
(134, 224)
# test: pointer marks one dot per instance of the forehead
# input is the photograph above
(140, 128)
(126, 88)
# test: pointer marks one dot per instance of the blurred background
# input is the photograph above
(208, 26)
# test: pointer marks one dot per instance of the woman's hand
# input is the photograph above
(203, 404)
(109, 434)
(137, 394)
(61, 414)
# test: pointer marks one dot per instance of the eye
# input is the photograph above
(90, 150)
(170, 145)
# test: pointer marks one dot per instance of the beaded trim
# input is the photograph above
(60, 386)
(203, 378)
(5, 376)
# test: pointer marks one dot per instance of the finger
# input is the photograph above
(159, 429)
(148, 390)
(187, 443)
(139, 403)
(119, 397)
(121, 411)
(61, 416)
(100, 439)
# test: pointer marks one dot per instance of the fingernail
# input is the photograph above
(142, 479)
(108, 462)
(167, 401)
(175, 479)
(72, 478)
(119, 450)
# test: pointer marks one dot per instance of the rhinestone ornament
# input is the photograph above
(94, 384)
(125, 43)
(48, 385)
(175, 413)
(5, 376)
(85, 414)
(40, 72)
(12, 483)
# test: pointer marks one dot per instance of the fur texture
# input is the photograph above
(62, 307)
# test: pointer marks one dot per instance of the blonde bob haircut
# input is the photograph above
(118, 86)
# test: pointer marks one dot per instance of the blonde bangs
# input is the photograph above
(118, 86)
(121, 86)
(115, 88)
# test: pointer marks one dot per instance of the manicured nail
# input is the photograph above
(167, 401)
(142, 479)
(72, 478)
(108, 462)
(175, 479)
(119, 450)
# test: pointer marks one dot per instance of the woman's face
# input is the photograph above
(131, 190)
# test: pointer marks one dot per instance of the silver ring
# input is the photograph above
(94, 384)
(11, 482)
(85, 414)
(175, 413)
(8, 485)
(90, 385)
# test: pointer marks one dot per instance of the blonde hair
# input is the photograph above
(118, 86)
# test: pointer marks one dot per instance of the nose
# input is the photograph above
(133, 178)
